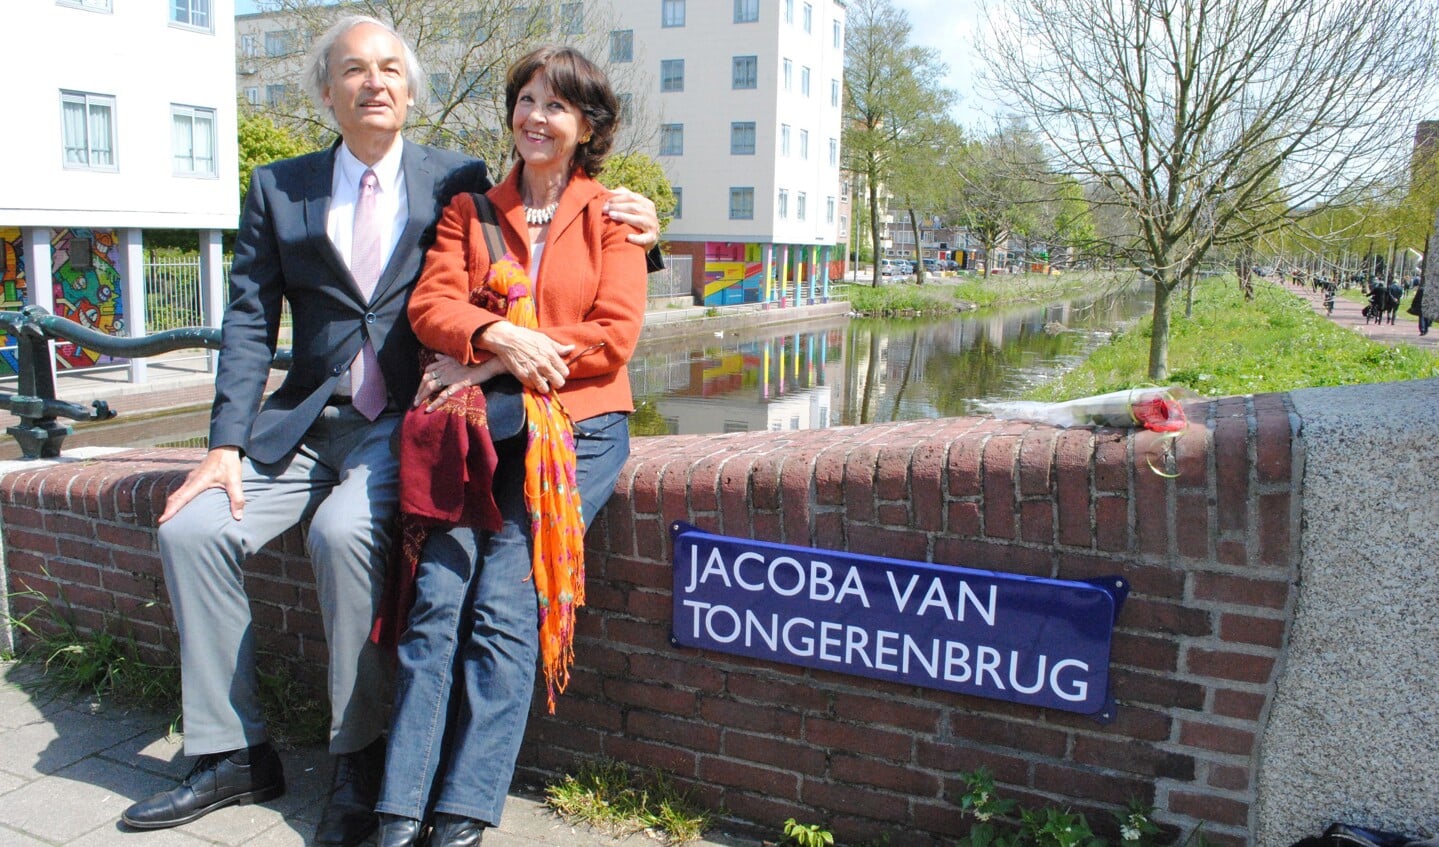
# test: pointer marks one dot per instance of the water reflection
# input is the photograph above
(865, 371)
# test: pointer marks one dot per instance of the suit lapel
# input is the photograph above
(319, 183)
(420, 197)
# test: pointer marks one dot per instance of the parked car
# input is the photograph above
(931, 266)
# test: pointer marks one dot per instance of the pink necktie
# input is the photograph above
(367, 382)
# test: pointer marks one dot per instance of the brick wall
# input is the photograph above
(1210, 556)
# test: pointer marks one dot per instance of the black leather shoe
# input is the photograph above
(349, 817)
(216, 781)
(455, 831)
(396, 831)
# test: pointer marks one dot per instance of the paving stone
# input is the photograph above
(65, 738)
(64, 806)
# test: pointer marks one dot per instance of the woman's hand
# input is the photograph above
(447, 375)
(638, 211)
(534, 358)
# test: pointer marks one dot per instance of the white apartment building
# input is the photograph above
(124, 121)
(749, 105)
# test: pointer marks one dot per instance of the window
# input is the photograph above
(838, 36)
(784, 139)
(626, 100)
(789, 11)
(252, 95)
(440, 87)
(804, 144)
(672, 139)
(572, 18)
(746, 11)
(88, 127)
(473, 85)
(280, 42)
(808, 18)
(249, 45)
(679, 211)
(672, 75)
(92, 5)
(804, 81)
(834, 152)
(192, 140)
(788, 74)
(741, 138)
(276, 95)
(799, 205)
(829, 210)
(834, 93)
(195, 13)
(741, 204)
(746, 72)
(672, 13)
(783, 203)
(622, 45)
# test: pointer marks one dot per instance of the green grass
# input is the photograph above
(1229, 347)
(946, 295)
(611, 797)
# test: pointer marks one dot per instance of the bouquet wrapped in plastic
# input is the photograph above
(1155, 409)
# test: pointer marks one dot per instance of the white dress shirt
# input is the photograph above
(392, 209)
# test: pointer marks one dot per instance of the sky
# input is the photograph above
(951, 28)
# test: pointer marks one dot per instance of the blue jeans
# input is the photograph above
(467, 658)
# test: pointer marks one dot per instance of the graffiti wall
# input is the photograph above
(734, 273)
(85, 285)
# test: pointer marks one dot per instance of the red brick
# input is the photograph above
(856, 800)
(1036, 521)
(894, 745)
(1229, 777)
(1133, 757)
(877, 709)
(1168, 617)
(692, 734)
(1273, 446)
(1231, 454)
(1250, 629)
(859, 480)
(1245, 705)
(1016, 736)
(1155, 654)
(963, 519)
(1000, 455)
(1221, 739)
(884, 776)
(749, 777)
(1225, 588)
(753, 717)
(1192, 532)
(1036, 462)
(1111, 522)
(1209, 808)
(1222, 664)
(1275, 519)
(643, 754)
(768, 750)
(964, 466)
(1111, 461)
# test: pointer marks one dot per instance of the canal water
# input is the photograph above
(835, 372)
(856, 371)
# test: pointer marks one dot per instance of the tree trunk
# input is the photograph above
(1159, 338)
(918, 252)
(874, 232)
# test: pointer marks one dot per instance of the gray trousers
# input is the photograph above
(344, 478)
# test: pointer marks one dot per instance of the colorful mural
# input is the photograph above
(14, 294)
(86, 289)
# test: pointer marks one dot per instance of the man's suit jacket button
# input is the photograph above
(370, 317)
(335, 371)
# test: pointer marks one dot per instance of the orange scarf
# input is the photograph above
(552, 497)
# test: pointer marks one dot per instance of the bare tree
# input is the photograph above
(1001, 182)
(1201, 116)
(891, 89)
(465, 46)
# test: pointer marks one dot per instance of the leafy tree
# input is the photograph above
(921, 180)
(890, 89)
(1002, 182)
(262, 141)
(1199, 117)
(642, 174)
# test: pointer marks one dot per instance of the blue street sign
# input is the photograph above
(1043, 642)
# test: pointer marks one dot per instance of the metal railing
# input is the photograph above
(39, 433)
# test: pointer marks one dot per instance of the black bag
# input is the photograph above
(504, 395)
(1344, 835)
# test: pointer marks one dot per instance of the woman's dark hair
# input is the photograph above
(582, 84)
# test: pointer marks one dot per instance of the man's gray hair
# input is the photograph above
(317, 73)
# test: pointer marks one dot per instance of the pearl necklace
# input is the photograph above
(540, 217)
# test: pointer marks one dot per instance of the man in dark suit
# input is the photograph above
(339, 234)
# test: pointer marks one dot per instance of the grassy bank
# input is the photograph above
(950, 295)
(1275, 343)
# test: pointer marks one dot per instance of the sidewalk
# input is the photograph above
(70, 765)
(1350, 315)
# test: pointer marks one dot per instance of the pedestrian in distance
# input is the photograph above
(339, 234)
(1416, 307)
(489, 600)
(1393, 294)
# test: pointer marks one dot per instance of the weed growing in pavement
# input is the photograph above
(1000, 822)
(613, 798)
(807, 834)
(110, 666)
